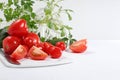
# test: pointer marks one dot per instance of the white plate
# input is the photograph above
(27, 63)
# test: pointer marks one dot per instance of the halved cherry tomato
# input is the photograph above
(36, 53)
(31, 39)
(79, 46)
(54, 52)
(10, 43)
(61, 45)
(19, 53)
(18, 28)
(82, 41)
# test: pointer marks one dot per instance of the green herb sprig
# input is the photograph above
(52, 18)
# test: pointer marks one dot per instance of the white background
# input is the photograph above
(93, 19)
(96, 19)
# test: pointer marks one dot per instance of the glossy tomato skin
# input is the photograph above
(79, 46)
(61, 45)
(31, 39)
(19, 53)
(55, 52)
(36, 53)
(10, 43)
(18, 28)
(46, 46)
(41, 45)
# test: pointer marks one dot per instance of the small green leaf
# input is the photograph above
(28, 7)
(3, 34)
(1, 5)
(64, 39)
(69, 16)
(33, 15)
(10, 2)
(22, 2)
(26, 17)
(68, 27)
(70, 35)
(50, 24)
(1, 19)
(47, 11)
(16, 2)
(8, 14)
(42, 39)
(62, 33)
(72, 41)
(68, 10)
(55, 27)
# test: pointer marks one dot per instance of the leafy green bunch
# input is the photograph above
(52, 18)
(17, 9)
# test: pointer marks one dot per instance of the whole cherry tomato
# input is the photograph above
(61, 45)
(46, 46)
(18, 28)
(54, 52)
(10, 43)
(31, 39)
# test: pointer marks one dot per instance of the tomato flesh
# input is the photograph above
(78, 49)
(19, 53)
(36, 53)
(79, 46)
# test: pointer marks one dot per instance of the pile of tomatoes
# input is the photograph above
(24, 44)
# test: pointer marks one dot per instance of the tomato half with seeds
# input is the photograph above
(36, 53)
(19, 53)
(79, 46)
(10, 43)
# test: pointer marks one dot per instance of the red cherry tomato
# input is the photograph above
(61, 45)
(54, 52)
(41, 45)
(10, 43)
(79, 46)
(36, 53)
(31, 39)
(19, 53)
(18, 28)
(46, 46)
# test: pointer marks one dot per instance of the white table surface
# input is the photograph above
(101, 61)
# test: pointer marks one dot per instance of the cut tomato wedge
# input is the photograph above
(79, 46)
(36, 53)
(19, 53)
